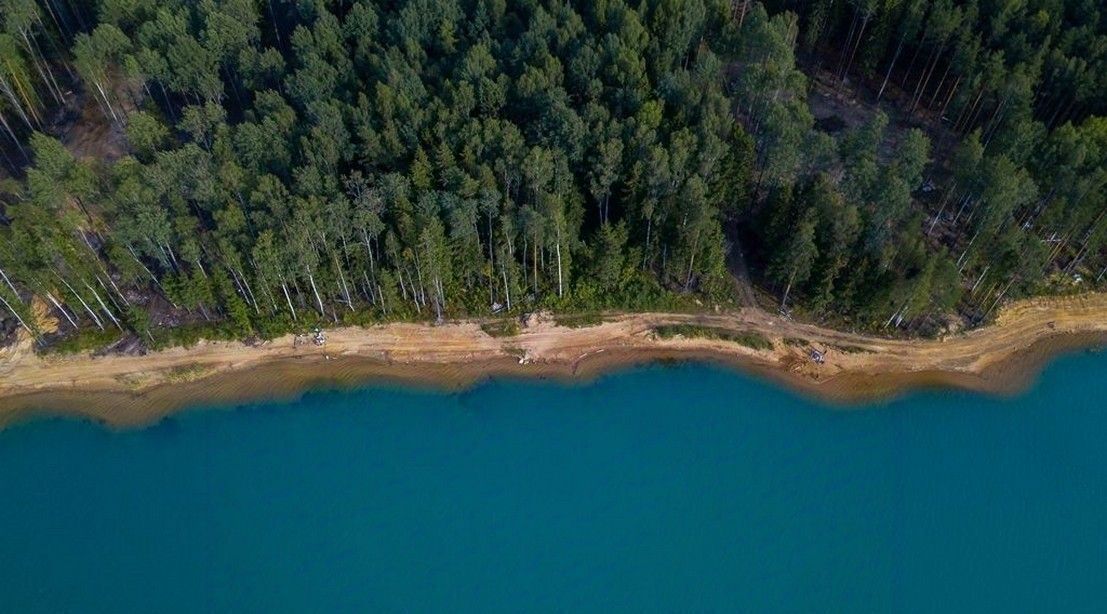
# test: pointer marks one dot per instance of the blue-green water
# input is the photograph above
(662, 489)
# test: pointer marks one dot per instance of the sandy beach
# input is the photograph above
(1001, 358)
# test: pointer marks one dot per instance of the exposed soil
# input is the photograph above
(128, 389)
(92, 135)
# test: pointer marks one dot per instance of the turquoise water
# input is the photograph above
(662, 489)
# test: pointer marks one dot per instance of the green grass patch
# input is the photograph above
(87, 339)
(850, 349)
(187, 373)
(188, 335)
(501, 328)
(749, 339)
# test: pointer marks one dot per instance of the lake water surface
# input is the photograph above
(682, 488)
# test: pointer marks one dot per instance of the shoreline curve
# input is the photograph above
(1003, 358)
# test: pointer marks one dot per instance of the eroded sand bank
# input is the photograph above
(123, 390)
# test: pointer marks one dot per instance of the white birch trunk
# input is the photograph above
(311, 278)
(16, 314)
(91, 313)
(103, 306)
(61, 308)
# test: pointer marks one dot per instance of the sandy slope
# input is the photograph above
(998, 357)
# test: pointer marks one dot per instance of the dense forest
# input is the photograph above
(270, 165)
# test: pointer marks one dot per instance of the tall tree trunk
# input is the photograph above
(276, 28)
(107, 292)
(739, 8)
(107, 102)
(978, 280)
(558, 247)
(8, 282)
(974, 114)
(288, 298)
(419, 278)
(367, 286)
(526, 281)
(42, 68)
(172, 256)
(17, 316)
(691, 262)
(941, 210)
(21, 109)
(439, 298)
(999, 297)
(250, 291)
(840, 71)
(400, 276)
(62, 28)
(941, 82)
(994, 122)
(911, 65)
(15, 139)
(962, 261)
(949, 97)
(491, 262)
(891, 66)
(342, 281)
(787, 290)
(507, 288)
(924, 78)
(104, 306)
(61, 308)
(1067, 108)
(856, 44)
(311, 278)
(88, 309)
(149, 272)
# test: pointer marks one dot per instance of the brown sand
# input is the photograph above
(124, 390)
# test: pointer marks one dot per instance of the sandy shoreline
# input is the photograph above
(128, 390)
